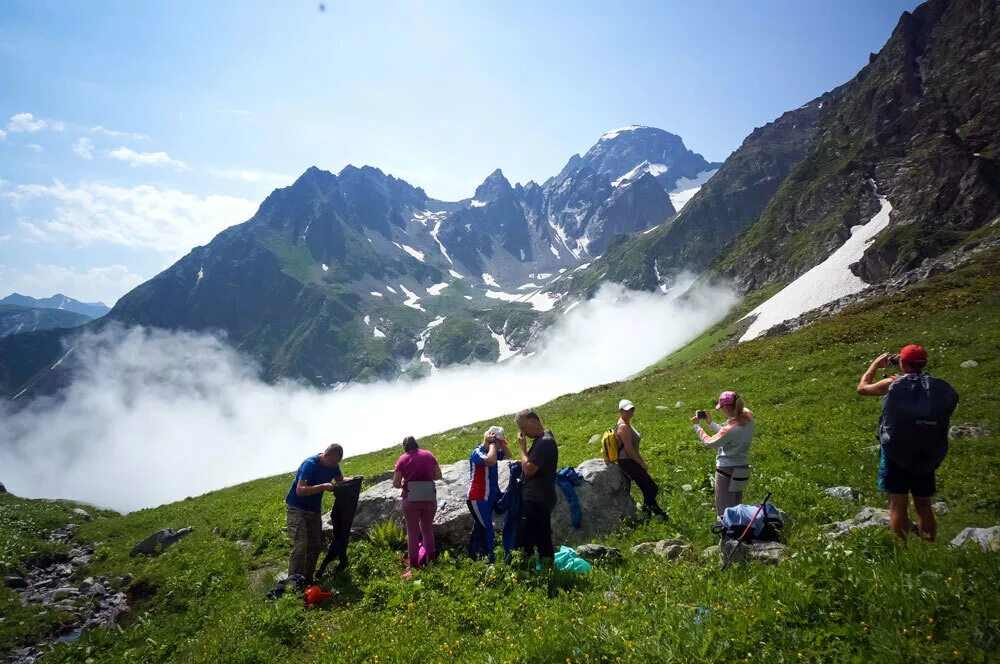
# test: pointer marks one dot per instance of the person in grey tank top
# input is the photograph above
(631, 462)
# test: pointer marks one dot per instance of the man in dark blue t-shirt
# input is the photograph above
(538, 488)
(304, 504)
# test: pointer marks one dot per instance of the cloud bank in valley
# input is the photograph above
(154, 416)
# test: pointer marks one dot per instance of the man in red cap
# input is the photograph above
(913, 435)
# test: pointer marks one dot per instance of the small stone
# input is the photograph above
(83, 514)
(967, 431)
(940, 508)
(243, 544)
(669, 549)
(988, 539)
(592, 552)
(80, 561)
(662, 407)
(123, 581)
(594, 439)
(464, 431)
(843, 492)
(679, 404)
(63, 593)
(969, 364)
(97, 589)
(868, 517)
(687, 488)
(710, 553)
(13, 582)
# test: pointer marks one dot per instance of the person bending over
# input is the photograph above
(631, 461)
(538, 492)
(303, 505)
(732, 447)
(912, 435)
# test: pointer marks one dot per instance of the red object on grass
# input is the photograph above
(316, 595)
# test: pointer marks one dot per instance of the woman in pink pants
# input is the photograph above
(415, 473)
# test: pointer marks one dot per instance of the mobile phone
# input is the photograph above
(702, 415)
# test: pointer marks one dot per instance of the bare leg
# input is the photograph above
(899, 514)
(925, 518)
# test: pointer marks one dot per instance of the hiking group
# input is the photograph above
(912, 435)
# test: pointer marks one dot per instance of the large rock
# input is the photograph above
(156, 543)
(987, 538)
(866, 518)
(594, 552)
(83, 514)
(604, 500)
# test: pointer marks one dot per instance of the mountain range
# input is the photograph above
(360, 275)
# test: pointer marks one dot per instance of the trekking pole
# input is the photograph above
(739, 540)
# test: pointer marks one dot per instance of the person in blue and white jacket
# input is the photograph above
(484, 491)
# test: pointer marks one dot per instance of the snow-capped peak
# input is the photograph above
(621, 130)
(638, 171)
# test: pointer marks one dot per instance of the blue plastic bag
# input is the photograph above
(567, 561)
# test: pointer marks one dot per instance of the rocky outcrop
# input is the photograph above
(604, 500)
(843, 492)
(158, 542)
(670, 549)
(986, 538)
(967, 431)
(868, 517)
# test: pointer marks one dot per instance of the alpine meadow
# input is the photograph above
(730, 397)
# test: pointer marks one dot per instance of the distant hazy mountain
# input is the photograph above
(15, 319)
(58, 301)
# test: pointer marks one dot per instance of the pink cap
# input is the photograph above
(727, 398)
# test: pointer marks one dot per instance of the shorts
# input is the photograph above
(894, 479)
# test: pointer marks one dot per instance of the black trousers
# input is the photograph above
(535, 530)
(642, 479)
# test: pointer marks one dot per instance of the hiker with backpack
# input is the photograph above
(538, 488)
(303, 505)
(484, 491)
(627, 456)
(912, 435)
(732, 445)
(415, 473)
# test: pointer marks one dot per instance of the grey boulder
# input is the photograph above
(868, 517)
(158, 542)
(986, 538)
(771, 553)
(604, 498)
(940, 508)
(843, 492)
(967, 431)
(669, 549)
(969, 364)
(83, 514)
(594, 552)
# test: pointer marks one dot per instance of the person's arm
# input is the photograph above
(303, 488)
(437, 471)
(527, 467)
(866, 386)
(716, 441)
(397, 479)
(491, 454)
(505, 448)
(710, 422)
(625, 435)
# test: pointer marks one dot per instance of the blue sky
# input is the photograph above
(132, 131)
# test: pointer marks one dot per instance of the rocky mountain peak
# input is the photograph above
(494, 187)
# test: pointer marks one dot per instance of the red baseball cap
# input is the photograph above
(913, 355)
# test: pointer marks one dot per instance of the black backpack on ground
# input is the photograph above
(916, 413)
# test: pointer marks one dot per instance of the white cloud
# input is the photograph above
(145, 217)
(105, 284)
(3, 135)
(25, 123)
(249, 175)
(146, 158)
(35, 147)
(84, 148)
(198, 403)
(100, 129)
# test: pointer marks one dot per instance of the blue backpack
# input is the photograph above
(916, 413)
(764, 529)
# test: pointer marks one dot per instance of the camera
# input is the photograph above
(702, 415)
(892, 361)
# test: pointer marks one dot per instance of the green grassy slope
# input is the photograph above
(867, 598)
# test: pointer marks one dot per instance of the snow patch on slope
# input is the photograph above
(505, 350)
(686, 188)
(412, 299)
(621, 130)
(419, 255)
(830, 280)
(436, 288)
